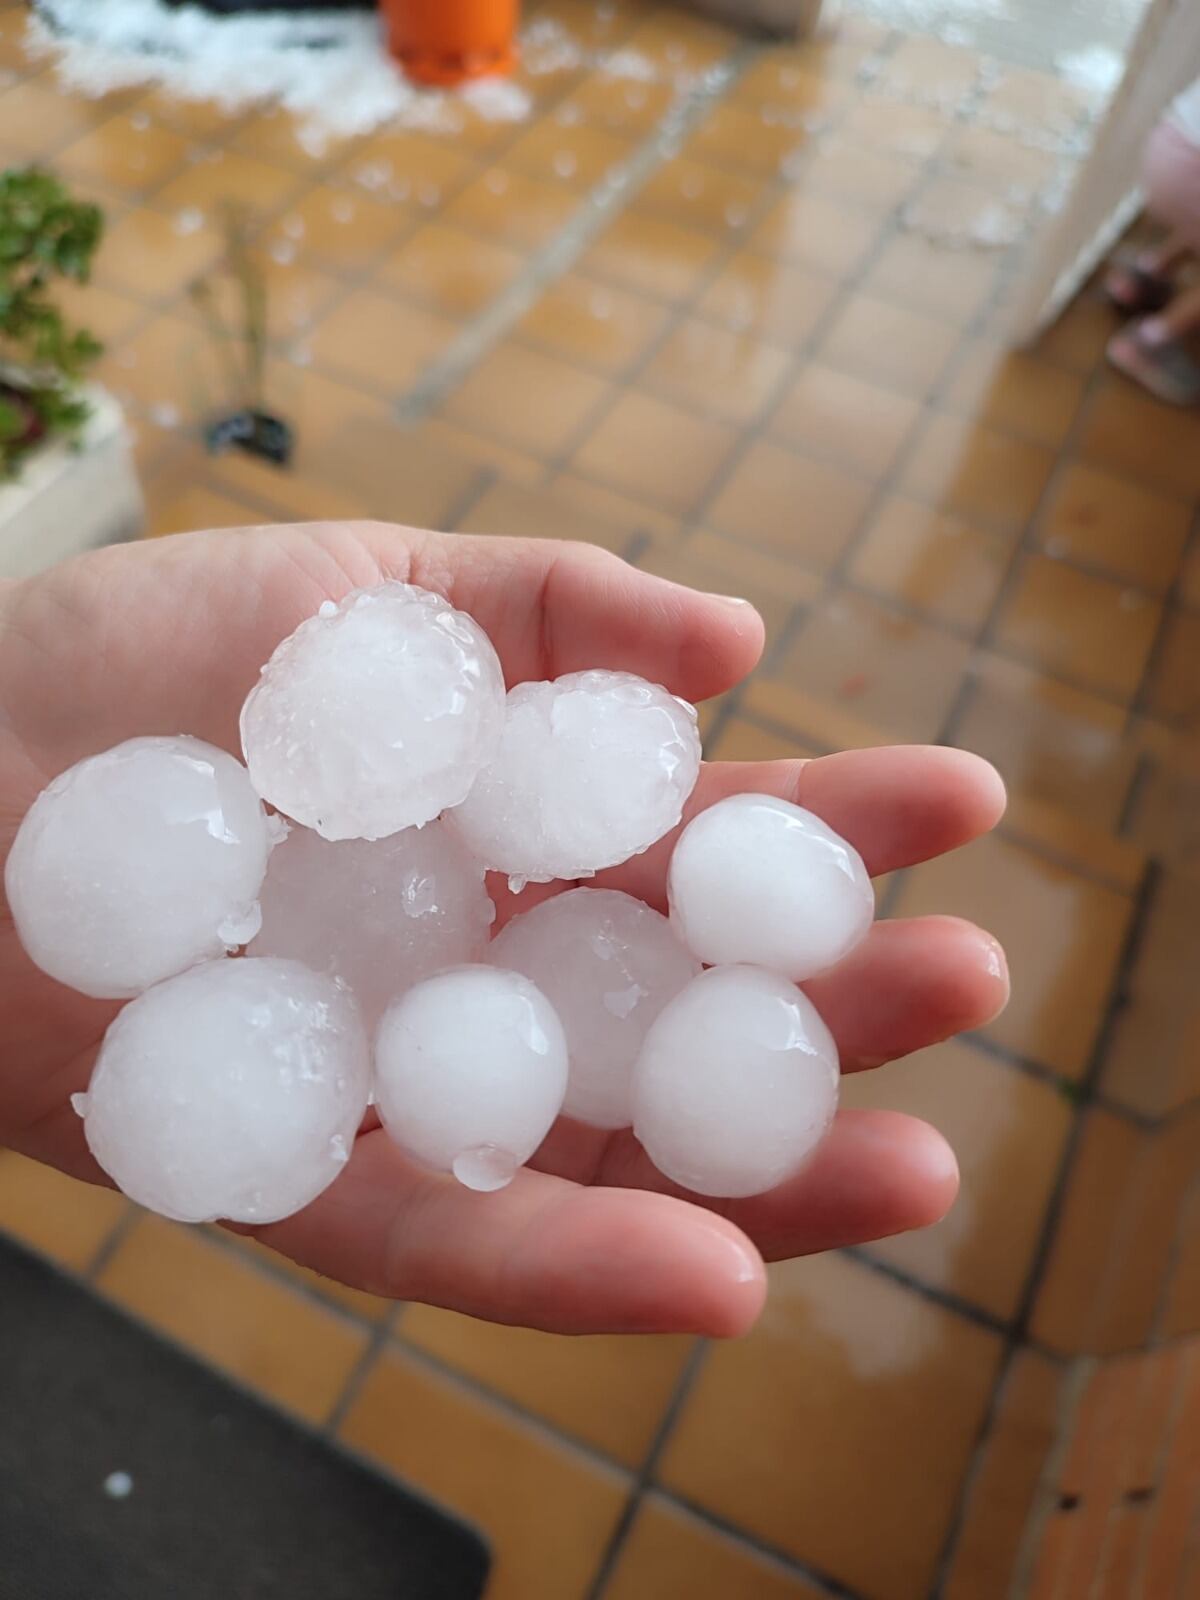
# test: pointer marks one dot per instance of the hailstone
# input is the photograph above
(592, 769)
(379, 914)
(755, 879)
(136, 864)
(608, 964)
(470, 1073)
(736, 1084)
(374, 715)
(234, 1090)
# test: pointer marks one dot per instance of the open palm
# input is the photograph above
(168, 637)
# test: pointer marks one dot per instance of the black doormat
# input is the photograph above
(226, 1499)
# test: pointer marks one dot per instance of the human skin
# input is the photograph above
(167, 637)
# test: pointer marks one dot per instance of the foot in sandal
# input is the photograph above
(1152, 356)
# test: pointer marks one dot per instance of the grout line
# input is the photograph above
(827, 1586)
(1019, 1334)
(645, 1476)
(353, 1385)
(1045, 1497)
(109, 1246)
(460, 1378)
(602, 203)
(946, 1299)
(267, 1266)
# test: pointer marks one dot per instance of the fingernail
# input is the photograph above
(731, 600)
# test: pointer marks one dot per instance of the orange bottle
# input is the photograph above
(448, 41)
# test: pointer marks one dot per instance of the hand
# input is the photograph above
(167, 637)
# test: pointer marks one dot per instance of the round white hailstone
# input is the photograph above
(592, 769)
(755, 879)
(375, 715)
(470, 1073)
(138, 863)
(381, 915)
(736, 1084)
(234, 1091)
(608, 964)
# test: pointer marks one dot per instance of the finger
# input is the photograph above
(896, 805)
(211, 607)
(551, 608)
(543, 1253)
(876, 1173)
(910, 984)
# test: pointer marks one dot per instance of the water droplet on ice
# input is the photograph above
(485, 1169)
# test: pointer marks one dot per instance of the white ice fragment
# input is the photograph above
(756, 879)
(379, 915)
(118, 1486)
(221, 1093)
(376, 718)
(592, 769)
(129, 866)
(188, 220)
(470, 1073)
(608, 964)
(737, 1083)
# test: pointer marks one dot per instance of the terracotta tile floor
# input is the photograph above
(750, 375)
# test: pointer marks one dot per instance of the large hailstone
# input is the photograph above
(379, 914)
(592, 769)
(736, 1084)
(608, 964)
(756, 879)
(470, 1073)
(138, 863)
(234, 1091)
(375, 715)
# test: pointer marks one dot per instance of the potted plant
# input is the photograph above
(240, 344)
(66, 481)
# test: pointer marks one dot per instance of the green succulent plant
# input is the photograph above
(45, 235)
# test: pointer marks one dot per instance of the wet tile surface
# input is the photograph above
(776, 367)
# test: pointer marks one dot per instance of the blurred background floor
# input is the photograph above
(770, 363)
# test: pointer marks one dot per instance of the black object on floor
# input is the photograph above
(228, 1499)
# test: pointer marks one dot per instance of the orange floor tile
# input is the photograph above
(767, 366)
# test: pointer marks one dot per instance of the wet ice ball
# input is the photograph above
(138, 863)
(470, 1073)
(380, 914)
(756, 879)
(232, 1091)
(592, 769)
(608, 964)
(375, 715)
(736, 1084)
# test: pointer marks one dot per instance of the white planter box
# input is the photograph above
(66, 501)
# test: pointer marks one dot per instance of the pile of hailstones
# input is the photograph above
(364, 967)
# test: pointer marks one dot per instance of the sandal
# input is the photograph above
(1134, 290)
(1165, 367)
